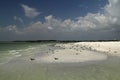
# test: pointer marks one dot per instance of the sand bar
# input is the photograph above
(81, 52)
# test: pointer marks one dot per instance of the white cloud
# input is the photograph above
(48, 18)
(50, 28)
(11, 28)
(33, 27)
(29, 11)
(113, 8)
(18, 19)
(88, 23)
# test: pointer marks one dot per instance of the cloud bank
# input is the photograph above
(104, 25)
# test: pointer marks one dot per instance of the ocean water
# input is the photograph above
(15, 64)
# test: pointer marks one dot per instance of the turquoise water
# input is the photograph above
(9, 51)
(15, 64)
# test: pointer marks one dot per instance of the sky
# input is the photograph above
(59, 20)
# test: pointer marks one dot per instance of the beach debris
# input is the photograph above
(32, 59)
(56, 58)
(115, 51)
(76, 53)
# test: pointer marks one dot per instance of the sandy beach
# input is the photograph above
(81, 52)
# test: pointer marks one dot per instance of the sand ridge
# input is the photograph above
(80, 52)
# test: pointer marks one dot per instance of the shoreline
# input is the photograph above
(71, 52)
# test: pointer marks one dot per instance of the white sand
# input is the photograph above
(110, 48)
(81, 52)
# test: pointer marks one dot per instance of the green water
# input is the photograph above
(16, 65)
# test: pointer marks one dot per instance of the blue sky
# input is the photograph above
(60, 8)
(46, 19)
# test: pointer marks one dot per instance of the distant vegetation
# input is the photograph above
(61, 41)
(66, 41)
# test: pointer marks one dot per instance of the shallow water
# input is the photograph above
(15, 64)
